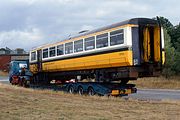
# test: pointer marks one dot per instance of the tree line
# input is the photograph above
(172, 48)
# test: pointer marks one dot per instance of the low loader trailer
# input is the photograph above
(21, 75)
(104, 89)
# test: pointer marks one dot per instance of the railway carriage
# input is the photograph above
(123, 51)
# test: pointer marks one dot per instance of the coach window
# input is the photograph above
(102, 40)
(52, 52)
(116, 37)
(69, 48)
(33, 56)
(78, 46)
(60, 49)
(45, 53)
(89, 43)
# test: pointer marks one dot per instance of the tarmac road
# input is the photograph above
(4, 79)
(142, 94)
(156, 94)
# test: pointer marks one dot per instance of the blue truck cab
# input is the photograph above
(19, 73)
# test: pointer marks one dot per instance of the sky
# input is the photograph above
(30, 23)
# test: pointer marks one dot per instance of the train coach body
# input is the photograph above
(126, 50)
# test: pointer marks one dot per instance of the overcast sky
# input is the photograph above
(29, 23)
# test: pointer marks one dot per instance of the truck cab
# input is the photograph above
(19, 73)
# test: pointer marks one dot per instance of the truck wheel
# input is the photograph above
(91, 91)
(71, 89)
(19, 82)
(25, 84)
(80, 91)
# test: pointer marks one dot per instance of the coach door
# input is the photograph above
(151, 44)
(157, 44)
(39, 60)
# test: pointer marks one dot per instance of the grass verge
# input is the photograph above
(3, 73)
(158, 83)
(28, 104)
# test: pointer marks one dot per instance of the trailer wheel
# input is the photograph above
(71, 89)
(80, 91)
(91, 91)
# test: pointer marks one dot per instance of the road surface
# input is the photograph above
(142, 94)
(156, 94)
(4, 79)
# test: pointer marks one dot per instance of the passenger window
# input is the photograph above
(60, 49)
(117, 37)
(102, 40)
(78, 46)
(45, 53)
(89, 43)
(33, 56)
(52, 52)
(69, 48)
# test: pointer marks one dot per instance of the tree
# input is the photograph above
(173, 31)
(170, 53)
(176, 66)
(166, 24)
(172, 47)
(175, 36)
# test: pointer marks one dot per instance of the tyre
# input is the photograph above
(80, 91)
(25, 83)
(71, 89)
(20, 82)
(91, 91)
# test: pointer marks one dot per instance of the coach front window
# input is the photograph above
(69, 48)
(45, 53)
(60, 49)
(33, 56)
(102, 40)
(78, 46)
(52, 51)
(89, 43)
(117, 37)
